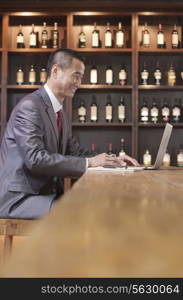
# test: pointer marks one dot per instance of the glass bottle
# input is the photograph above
(95, 37)
(144, 75)
(33, 38)
(44, 37)
(122, 76)
(121, 110)
(147, 158)
(145, 37)
(109, 75)
(42, 76)
(32, 75)
(20, 38)
(55, 36)
(180, 158)
(165, 112)
(110, 150)
(82, 39)
(166, 159)
(108, 110)
(176, 112)
(144, 112)
(108, 37)
(93, 110)
(20, 76)
(93, 75)
(160, 37)
(120, 36)
(122, 151)
(154, 112)
(175, 38)
(171, 76)
(157, 74)
(82, 113)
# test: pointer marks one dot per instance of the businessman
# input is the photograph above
(37, 149)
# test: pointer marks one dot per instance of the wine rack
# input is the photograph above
(132, 55)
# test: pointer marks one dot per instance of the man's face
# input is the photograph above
(66, 82)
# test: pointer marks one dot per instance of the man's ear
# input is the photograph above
(54, 71)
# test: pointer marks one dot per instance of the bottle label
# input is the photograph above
(95, 39)
(160, 39)
(108, 39)
(109, 76)
(154, 112)
(146, 39)
(82, 111)
(82, 38)
(20, 39)
(165, 111)
(176, 112)
(121, 112)
(157, 75)
(93, 76)
(175, 39)
(94, 113)
(43, 76)
(180, 159)
(147, 159)
(33, 40)
(119, 39)
(108, 112)
(122, 75)
(20, 77)
(32, 76)
(144, 75)
(166, 160)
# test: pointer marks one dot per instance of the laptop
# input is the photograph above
(161, 151)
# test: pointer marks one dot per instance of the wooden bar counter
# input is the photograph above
(109, 225)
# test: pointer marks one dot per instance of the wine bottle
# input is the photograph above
(165, 112)
(93, 151)
(55, 36)
(154, 113)
(93, 110)
(109, 75)
(95, 37)
(108, 37)
(20, 76)
(44, 36)
(108, 110)
(20, 38)
(122, 151)
(144, 75)
(144, 112)
(82, 113)
(33, 38)
(120, 36)
(82, 39)
(180, 158)
(93, 75)
(176, 112)
(160, 38)
(166, 159)
(147, 158)
(32, 75)
(42, 76)
(171, 76)
(145, 37)
(110, 150)
(121, 110)
(122, 76)
(157, 75)
(175, 38)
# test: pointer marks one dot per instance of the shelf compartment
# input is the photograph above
(159, 124)
(160, 87)
(97, 124)
(105, 87)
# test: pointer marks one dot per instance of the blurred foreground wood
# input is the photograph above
(108, 225)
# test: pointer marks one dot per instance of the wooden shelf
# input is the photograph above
(104, 50)
(160, 87)
(97, 124)
(105, 87)
(30, 50)
(159, 124)
(155, 50)
(24, 87)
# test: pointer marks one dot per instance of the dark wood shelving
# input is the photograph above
(105, 87)
(24, 87)
(30, 50)
(159, 124)
(160, 87)
(105, 50)
(97, 124)
(155, 50)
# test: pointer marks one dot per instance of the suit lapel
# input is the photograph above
(50, 112)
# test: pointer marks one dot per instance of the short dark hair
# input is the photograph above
(63, 57)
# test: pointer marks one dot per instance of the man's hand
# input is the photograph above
(105, 159)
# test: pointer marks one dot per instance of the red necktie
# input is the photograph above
(59, 121)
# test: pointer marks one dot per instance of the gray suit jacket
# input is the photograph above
(32, 159)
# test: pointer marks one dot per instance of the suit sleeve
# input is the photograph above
(29, 136)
